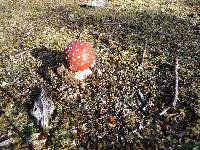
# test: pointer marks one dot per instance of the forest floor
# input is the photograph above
(122, 104)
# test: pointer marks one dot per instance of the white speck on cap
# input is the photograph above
(85, 57)
(79, 57)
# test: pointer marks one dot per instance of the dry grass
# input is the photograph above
(33, 36)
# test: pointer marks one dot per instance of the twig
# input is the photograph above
(176, 89)
(7, 142)
(168, 64)
(176, 83)
(141, 101)
(141, 97)
(164, 111)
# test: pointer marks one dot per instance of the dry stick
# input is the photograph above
(176, 84)
(176, 89)
(164, 111)
(7, 142)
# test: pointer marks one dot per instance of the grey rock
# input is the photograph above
(42, 109)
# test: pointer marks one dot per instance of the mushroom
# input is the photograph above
(80, 56)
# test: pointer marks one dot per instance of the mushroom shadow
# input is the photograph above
(50, 59)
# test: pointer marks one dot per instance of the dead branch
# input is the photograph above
(7, 142)
(176, 89)
(176, 84)
(164, 111)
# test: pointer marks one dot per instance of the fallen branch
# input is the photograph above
(7, 142)
(164, 111)
(176, 90)
(176, 84)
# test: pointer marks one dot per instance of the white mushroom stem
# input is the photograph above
(81, 75)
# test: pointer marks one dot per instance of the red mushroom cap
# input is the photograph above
(79, 55)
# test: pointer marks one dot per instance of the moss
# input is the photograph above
(136, 43)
